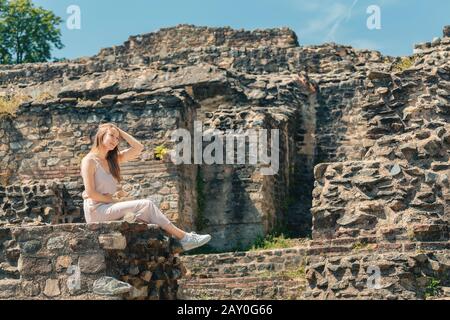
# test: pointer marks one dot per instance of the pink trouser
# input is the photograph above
(144, 210)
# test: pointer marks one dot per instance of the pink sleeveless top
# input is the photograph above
(104, 183)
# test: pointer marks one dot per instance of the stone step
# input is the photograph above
(9, 288)
(244, 264)
(225, 281)
(242, 288)
(232, 271)
(233, 257)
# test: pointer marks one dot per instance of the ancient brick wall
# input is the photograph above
(114, 260)
(37, 203)
(47, 142)
(354, 199)
(150, 48)
(346, 268)
(363, 143)
(403, 157)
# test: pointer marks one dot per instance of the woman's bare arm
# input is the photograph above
(134, 151)
(87, 173)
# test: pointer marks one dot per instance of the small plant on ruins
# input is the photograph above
(272, 241)
(403, 64)
(160, 152)
(360, 246)
(433, 289)
(44, 96)
(292, 274)
(205, 296)
(10, 103)
(278, 238)
(298, 273)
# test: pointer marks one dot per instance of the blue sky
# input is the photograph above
(403, 22)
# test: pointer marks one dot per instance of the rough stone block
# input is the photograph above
(114, 241)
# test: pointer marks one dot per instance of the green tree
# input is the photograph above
(4, 54)
(27, 33)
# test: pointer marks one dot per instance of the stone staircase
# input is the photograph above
(258, 287)
(266, 274)
(322, 269)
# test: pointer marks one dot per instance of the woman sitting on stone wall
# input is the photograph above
(101, 174)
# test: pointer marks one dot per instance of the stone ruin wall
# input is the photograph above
(97, 261)
(386, 194)
(78, 102)
(376, 136)
(46, 142)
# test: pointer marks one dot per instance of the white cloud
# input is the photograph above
(328, 17)
(349, 15)
(329, 20)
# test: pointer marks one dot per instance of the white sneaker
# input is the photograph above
(193, 240)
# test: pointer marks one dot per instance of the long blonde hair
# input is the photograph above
(113, 155)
